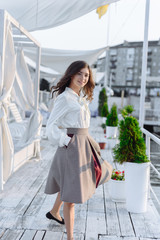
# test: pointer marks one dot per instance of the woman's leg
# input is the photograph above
(68, 212)
(56, 207)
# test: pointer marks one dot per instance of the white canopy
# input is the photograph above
(59, 60)
(40, 14)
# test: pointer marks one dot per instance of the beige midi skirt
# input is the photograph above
(72, 171)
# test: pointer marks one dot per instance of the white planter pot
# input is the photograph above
(137, 186)
(117, 190)
(111, 131)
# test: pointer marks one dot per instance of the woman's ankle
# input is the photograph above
(54, 213)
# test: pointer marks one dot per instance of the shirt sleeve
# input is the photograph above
(55, 134)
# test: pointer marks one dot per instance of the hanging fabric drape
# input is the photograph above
(23, 87)
(23, 92)
(6, 83)
(40, 14)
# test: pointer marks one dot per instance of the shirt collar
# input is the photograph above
(73, 92)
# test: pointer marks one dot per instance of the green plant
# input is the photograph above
(131, 147)
(127, 110)
(112, 118)
(103, 125)
(104, 110)
(102, 100)
(118, 175)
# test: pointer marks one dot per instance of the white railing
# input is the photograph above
(150, 136)
(150, 114)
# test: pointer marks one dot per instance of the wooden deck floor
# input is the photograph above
(23, 206)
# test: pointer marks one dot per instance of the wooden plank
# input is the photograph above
(96, 225)
(117, 238)
(77, 236)
(40, 222)
(96, 202)
(29, 199)
(24, 189)
(2, 231)
(80, 218)
(39, 235)
(38, 199)
(113, 227)
(53, 235)
(8, 218)
(96, 221)
(149, 238)
(12, 198)
(28, 235)
(12, 234)
(146, 225)
(130, 238)
(29, 192)
(126, 226)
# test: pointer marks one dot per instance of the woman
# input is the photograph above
(77, 168)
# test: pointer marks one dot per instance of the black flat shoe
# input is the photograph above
(50, 216)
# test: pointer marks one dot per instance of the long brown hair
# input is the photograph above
(65, 81)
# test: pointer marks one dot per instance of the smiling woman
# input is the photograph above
(77, 168)
(79, 80)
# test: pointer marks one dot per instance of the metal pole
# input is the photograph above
(148, 152)
(107, 51)
(144, 66)
(2, 53)
(37, 77)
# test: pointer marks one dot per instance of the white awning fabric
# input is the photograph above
(6, 143)
(59, 60)
(40, 14)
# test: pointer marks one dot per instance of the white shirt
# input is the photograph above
(70, 111)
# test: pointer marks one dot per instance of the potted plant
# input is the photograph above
(101, 101)
(104, 114)
(117, 186)
(102, 142)
(112, 122)
(103, 125)
(131, 150)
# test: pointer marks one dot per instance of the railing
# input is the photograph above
(150, 136)
(151, 115)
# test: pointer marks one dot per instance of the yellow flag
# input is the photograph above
(102, 10)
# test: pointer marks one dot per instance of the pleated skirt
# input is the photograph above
(72, 172)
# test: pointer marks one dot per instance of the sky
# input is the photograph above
(124, 20)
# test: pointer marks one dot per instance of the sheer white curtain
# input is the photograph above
(6, 83)
(23, 93)
(23, 87)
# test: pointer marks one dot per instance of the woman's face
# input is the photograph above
(80, 79)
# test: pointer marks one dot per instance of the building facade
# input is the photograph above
(124, 64)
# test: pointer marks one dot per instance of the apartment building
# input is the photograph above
(124, 64)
